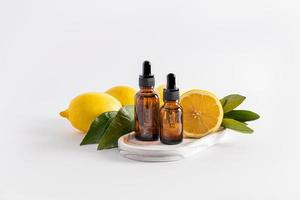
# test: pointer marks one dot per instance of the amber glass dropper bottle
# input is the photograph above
(171, 121)
(146, 107)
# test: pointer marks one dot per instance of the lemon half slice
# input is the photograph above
(202, 113)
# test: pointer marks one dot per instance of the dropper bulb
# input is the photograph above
(146, 79)
(146, 68)
(171, 83)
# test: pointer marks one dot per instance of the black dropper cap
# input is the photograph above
(171, 93)
(146, 79)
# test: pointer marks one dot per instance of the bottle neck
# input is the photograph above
(171, 103)
(147, 89)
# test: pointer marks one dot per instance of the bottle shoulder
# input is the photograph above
(151, 94)
(172, 106)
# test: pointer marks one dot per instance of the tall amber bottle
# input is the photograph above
(146, 107)
(171, 114)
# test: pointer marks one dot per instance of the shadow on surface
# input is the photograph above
(55, 137)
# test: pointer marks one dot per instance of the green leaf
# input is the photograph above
(241, 115)
(236, 125)
(98, 127)
(244, 123)
(123, 123)
(232, 101)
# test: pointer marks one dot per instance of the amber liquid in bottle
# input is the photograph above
(171, 114)
(171, 128)
(147, 115)
(146, 107)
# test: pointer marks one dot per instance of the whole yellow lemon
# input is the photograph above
(124, 94)
(84, 108)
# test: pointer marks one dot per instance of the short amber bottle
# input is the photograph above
(146, 107)
(171, 114)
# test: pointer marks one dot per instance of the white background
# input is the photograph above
(53, 50)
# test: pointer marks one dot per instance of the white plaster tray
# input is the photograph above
(155, 151)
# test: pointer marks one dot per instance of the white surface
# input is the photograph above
(52, 50)
(155, 151)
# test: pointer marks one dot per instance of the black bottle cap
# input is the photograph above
(171, 93)
(146, 79)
